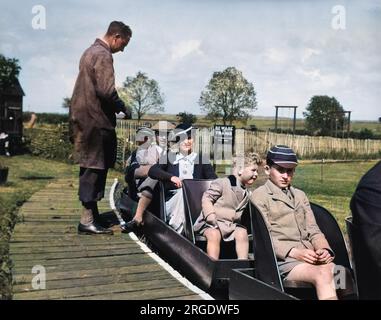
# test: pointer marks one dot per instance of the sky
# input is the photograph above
(289, 50)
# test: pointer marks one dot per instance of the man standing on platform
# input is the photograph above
(94, 104)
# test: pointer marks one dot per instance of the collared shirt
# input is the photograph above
(186, 165)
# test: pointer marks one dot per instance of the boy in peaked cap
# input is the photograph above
(302, 251)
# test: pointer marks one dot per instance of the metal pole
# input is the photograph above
(293, 129)
(321, 171)
(276, 119)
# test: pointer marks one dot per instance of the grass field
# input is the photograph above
(331, 185)
(265, 123)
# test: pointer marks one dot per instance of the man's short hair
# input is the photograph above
(118, 27)
(248, 159)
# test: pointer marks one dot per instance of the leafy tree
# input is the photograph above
(324, 116)
(9, 71)
(66, 102)
(142, 95)
(229, 96)
(186, 117)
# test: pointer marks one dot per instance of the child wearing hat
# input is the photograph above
(223, 204)
(302, 250)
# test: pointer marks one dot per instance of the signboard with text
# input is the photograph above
(223, 142)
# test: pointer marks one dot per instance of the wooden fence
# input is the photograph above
(307, 147)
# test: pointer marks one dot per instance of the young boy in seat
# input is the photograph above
(222, 207)
(302, 250)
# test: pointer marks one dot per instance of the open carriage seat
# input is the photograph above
(193, 190)
(266, 267)
(364, 264)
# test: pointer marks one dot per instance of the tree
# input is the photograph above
(142, 95)
(324, 116)
(186, 117)
(66, 102)
(9, 71)
(229, 96)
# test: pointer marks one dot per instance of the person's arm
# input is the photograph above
(159, 170)
(142, 171)
(281, 248)
(316, 237)
(209, 198)
(105, 84)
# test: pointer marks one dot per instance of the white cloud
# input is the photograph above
(323, 80)
(308, 53)
(275, 55)
(185, 48)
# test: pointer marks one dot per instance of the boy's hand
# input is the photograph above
(211, 219)
(305, 255)
(324, 257)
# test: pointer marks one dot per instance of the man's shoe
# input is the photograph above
(93, 228)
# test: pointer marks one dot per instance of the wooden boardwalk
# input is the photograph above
(82, 267)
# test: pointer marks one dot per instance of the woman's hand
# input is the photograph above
(306, 255)
(176, 181)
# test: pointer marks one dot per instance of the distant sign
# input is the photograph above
(223, 142)
(224, 134)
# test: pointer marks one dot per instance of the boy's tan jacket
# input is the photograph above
(227, 201)
(291, 223)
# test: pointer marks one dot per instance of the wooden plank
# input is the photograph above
(69, 248)
(39, 216)
(95, 281)
(53, 238)
(82, 260)
(37, 257)
(97, 272)
(159, 293)
(57, 211)
(185, 297)
(47, 242)
(88, 291)
(49, 228)
(87, 263)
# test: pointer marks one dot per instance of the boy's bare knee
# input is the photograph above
(240, 234)
(326, 273)
(213, 235)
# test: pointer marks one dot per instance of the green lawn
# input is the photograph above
(331, 185)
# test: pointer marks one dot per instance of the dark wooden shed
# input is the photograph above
(11, 110)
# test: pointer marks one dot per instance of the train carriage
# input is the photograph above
(228, 277)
